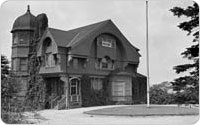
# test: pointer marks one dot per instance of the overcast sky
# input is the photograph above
(166, 40)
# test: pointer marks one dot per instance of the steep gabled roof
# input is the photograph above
(71, 37)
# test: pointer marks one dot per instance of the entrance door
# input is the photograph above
(53, 92)
(74, 90)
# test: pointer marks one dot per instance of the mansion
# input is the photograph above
(87, 66)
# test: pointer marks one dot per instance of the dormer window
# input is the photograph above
(106, 63)
(50, 58)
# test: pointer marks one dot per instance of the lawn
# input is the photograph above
(142, 110)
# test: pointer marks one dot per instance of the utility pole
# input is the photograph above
(147, 55)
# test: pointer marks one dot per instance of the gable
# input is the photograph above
(47, 35)
(80, 39)
(83, 48)
(71, 37)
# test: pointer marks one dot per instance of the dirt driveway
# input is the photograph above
(77, 117)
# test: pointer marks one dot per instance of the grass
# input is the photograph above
(141, 110)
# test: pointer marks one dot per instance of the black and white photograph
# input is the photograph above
(99, 62)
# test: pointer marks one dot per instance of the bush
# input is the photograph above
(11, 106)
(159, 95)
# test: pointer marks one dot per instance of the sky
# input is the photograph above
(166, 40)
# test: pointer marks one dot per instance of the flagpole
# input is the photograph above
(147, 55)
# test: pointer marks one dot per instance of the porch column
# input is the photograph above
(65, 79)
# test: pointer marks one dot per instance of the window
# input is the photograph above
(49, 57)
(55, 59)
(78, 63)
(107, 43)
(106, 63)
(74, 87)
(96, 83)
(118, 89)
(14, 64)
(21, 41)
(106, 40)
(74, 90)
(75, 63)
(22, 36)
(15, 40)
(23, 64)
(49, 60)
(82, 63)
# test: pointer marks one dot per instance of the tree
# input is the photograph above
(10, 105)
(160, 93)
(4, 67)
(190, 83)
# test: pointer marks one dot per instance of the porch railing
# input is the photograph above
(54, 101)
(75, 98)
(62, 102)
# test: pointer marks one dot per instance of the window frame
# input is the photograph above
(49, 56)
(75, 63)
(106, 63)
(107, 43)
(76, 86)
(14, 64)
(15, 39)
(119, 86)
(22, 64)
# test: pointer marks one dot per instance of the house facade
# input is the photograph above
(90, 65)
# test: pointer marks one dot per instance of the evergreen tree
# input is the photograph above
(187, 87)
(4, 67)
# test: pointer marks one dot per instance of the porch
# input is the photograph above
(62, 92)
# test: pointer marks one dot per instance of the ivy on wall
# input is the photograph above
(35, 98)
(139, 90)
(91, 97)
(36, 88)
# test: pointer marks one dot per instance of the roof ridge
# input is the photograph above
(57, 29)
(70, 43)
(140, 74)
(91, 24)
(69, 37)
(81, 26)
(99, 24)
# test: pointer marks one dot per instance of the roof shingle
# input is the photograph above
(71, 37)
